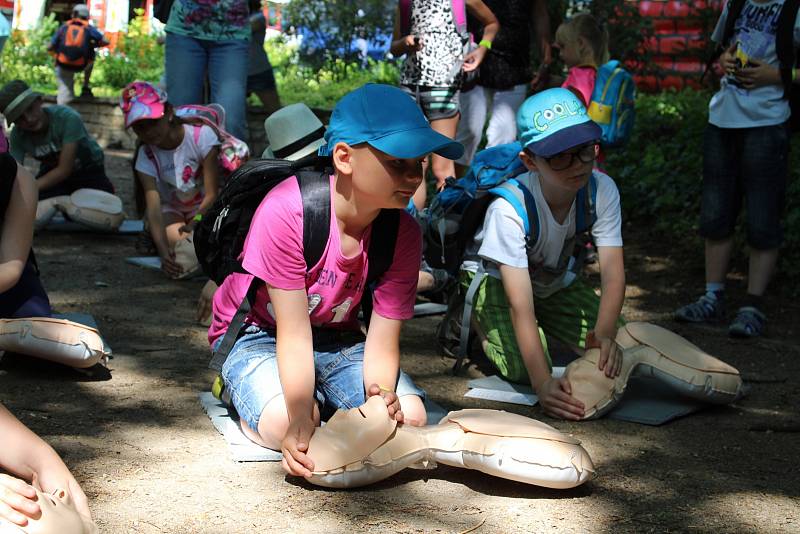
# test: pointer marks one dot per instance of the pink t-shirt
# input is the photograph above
(582, 79)
(273, 251)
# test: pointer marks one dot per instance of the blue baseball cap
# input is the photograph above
(553, 121)
(389, 120)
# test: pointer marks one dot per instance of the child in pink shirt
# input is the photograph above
(301, 354)
(583, 46)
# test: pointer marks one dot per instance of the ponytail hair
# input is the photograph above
(593, 32)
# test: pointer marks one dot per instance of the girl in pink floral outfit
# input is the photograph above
(176, 165)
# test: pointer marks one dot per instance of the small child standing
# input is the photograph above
(745, 159)
(530, 284)
(426, 32)
(176, 166)
(582, 43)
(301, 354)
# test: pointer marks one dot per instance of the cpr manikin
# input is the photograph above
(363, 445)
(59, 516)
(56, 340)
(96, 209)
(649, 350)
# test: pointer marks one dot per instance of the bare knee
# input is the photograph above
(274, 423)
(413, 410)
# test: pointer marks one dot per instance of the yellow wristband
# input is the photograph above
(485, 43)
(384, 388)
(794, 73)
(198, 217)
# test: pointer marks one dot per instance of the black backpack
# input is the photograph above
(219, 237)
(784, 48)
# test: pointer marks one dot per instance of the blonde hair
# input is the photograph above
(586, 26)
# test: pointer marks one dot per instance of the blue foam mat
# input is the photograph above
(647, 401)
(59, 224)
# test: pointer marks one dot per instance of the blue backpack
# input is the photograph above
(612, 105)
(456, 214)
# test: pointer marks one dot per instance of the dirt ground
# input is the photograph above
(149, 460)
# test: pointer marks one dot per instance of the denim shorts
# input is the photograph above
(436, 102)
(251, 375)
(750, 165)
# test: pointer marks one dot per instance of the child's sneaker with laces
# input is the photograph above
(708, 308)
(749, 322)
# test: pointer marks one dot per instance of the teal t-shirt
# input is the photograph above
(65, 126)
(210, 20)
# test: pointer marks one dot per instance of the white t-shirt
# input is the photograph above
(501, 240)
(755, 30)
(180, 180)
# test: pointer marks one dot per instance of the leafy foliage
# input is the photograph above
(138, 56)
(330, 28)
(659, 175)
(25, 56)
(321, 88)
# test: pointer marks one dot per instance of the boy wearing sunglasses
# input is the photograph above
(530, 283)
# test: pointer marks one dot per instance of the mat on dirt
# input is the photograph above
(59, 224)
(242, 449)
(646, 401)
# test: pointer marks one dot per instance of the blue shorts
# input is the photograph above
(747, 166)
(251, 376)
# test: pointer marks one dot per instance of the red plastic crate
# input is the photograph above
(677, 9)
(651, 8)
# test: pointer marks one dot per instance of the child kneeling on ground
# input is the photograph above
(529, 284)
(70, 158)
(301, 355)
(176, 165)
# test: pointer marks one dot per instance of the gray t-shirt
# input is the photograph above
(755, 29)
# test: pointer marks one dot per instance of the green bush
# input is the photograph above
(322, 87)
(137, 56)
(25, 57)
(659, 175)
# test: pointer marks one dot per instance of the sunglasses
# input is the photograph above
(585, 153)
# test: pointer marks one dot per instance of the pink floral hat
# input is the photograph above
(140, 101)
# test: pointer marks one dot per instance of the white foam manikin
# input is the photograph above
(363, 445)
(59, 516)
(56, 340)
(186, 257)
(650, 350)
(47, 208)
(96, 209)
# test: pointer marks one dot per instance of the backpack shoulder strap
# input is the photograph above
(380, 254)
(196, 132)
(405, 17)
(153, 159)
(315, 190)
(586, 205)
(459, 15)
(784, 42)
(734, 10)
(521, 199)
(382, 243)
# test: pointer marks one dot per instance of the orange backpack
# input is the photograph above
(73, 49)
